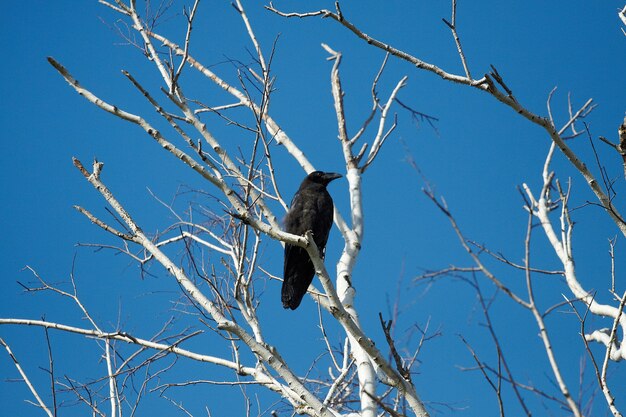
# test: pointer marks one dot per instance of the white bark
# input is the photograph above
(563, 249)
(26, 379)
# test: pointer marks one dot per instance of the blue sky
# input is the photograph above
(478, 155)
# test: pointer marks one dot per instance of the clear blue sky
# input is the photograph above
(480, 153)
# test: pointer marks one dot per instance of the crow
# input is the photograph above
(311, 209)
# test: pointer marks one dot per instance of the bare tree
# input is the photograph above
(221, 297)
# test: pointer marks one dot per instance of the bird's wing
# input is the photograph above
(324, 220)
(302, 213)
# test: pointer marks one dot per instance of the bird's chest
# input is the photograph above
(310, 211)
(318, 205)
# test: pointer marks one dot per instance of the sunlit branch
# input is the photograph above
(610, 399)
(190, 16)
(457, 40)
(25, 378)
(139, 26)
(365, 364)
(612, 343)
(543, 330)
(541, 208)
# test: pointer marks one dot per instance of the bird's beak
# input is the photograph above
(330, 176)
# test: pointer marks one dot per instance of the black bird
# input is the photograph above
(311, 209)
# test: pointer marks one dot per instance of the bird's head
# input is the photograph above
(322, 178)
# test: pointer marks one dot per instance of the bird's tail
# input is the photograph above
(290, 296)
